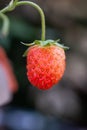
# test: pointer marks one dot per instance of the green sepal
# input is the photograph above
(27, 44)
(51, 42)
(61, 46)
(25, 53)
(44, 43)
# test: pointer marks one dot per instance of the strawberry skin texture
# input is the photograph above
(45, 65)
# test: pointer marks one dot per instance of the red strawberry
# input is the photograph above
(45, 64)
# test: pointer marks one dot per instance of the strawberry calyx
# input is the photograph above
(50, 42)
(44, 43)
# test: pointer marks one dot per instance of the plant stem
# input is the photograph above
(41, 14)
(12, 5)
(4, 10)
(6, 23)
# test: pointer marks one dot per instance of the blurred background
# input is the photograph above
(64, 107)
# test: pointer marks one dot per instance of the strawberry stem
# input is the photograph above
(41, 14)
(15, 3)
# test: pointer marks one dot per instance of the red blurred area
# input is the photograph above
(5, 62)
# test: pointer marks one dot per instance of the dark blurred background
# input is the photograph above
(64, 107)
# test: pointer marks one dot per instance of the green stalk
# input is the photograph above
(41, 14)
(8, 8)
(6, 24)
(13, 4)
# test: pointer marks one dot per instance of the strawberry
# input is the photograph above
(45, 63)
